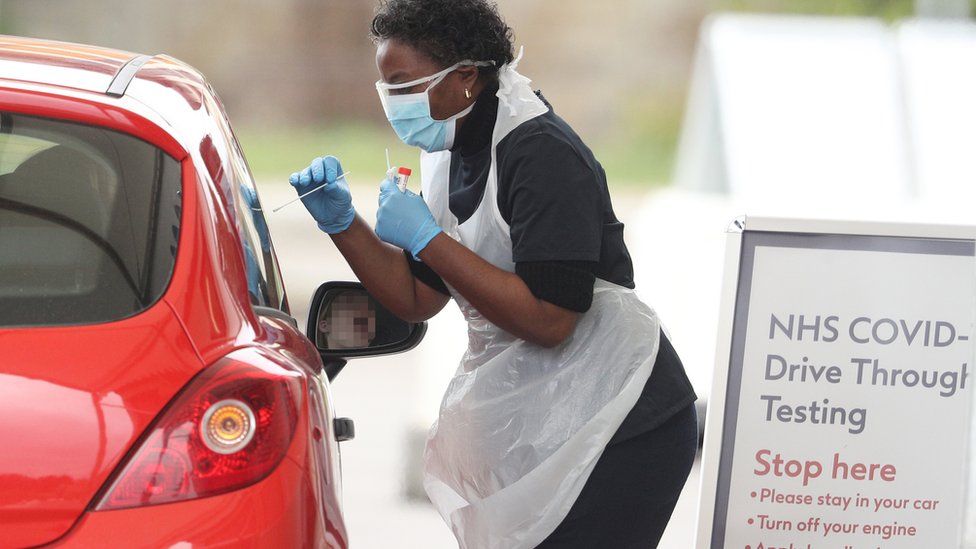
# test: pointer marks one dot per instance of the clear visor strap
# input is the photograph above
(435, 76)
(464, 112)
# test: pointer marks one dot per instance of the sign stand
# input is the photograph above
(840, 413)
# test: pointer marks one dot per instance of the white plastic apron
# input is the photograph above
(521, 426)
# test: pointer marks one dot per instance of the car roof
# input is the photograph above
(62, 64)
(171, 89)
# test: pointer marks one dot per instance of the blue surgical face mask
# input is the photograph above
(410, 116)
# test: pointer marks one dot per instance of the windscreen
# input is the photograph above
(89, 222)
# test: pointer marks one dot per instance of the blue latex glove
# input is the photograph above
(331, 206)
(404, 219)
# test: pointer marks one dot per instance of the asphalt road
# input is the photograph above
(394, 399)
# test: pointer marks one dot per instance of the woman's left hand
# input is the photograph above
(404, 219)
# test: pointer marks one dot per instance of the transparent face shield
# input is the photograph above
(399, 94)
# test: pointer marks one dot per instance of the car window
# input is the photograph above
(257, 238)
(15, 149)
(261, 265)
(89, 222)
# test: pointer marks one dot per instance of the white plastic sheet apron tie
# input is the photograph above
(521, 426)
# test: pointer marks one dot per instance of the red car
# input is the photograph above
(154, 389)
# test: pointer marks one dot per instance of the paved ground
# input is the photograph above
(393, 399)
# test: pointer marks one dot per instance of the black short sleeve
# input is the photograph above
(553, 201)
(568, 284)
(425, 274)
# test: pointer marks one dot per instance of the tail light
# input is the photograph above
(228, 429)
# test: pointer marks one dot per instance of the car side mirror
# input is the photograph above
(345, 322)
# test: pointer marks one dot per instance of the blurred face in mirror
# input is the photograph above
(349, 322)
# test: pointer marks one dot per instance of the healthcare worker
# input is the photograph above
(570, 421)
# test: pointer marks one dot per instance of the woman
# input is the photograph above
(570, 421)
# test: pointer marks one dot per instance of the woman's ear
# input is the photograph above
(467, 75)
(469, 80)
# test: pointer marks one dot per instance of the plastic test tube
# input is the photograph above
(402, 177)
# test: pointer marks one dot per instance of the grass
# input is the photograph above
(274, 155)
(890, 10)
(640, 156)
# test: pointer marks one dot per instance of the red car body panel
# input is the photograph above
(55, 461)
(272, 513)
(77, 399)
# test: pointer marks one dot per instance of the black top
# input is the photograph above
(546, 177)
(553, 194)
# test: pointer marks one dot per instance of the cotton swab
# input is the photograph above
(308, 193)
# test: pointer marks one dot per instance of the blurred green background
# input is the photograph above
(297, 75)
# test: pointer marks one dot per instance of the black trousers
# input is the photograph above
(628, 499)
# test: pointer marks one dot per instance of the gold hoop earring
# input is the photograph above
(467, 93)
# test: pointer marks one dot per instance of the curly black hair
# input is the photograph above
(448, 31)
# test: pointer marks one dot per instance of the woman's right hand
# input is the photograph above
(330, 206)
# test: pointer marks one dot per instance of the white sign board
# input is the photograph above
(840, 413)
(939, 86)
(786, 105)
